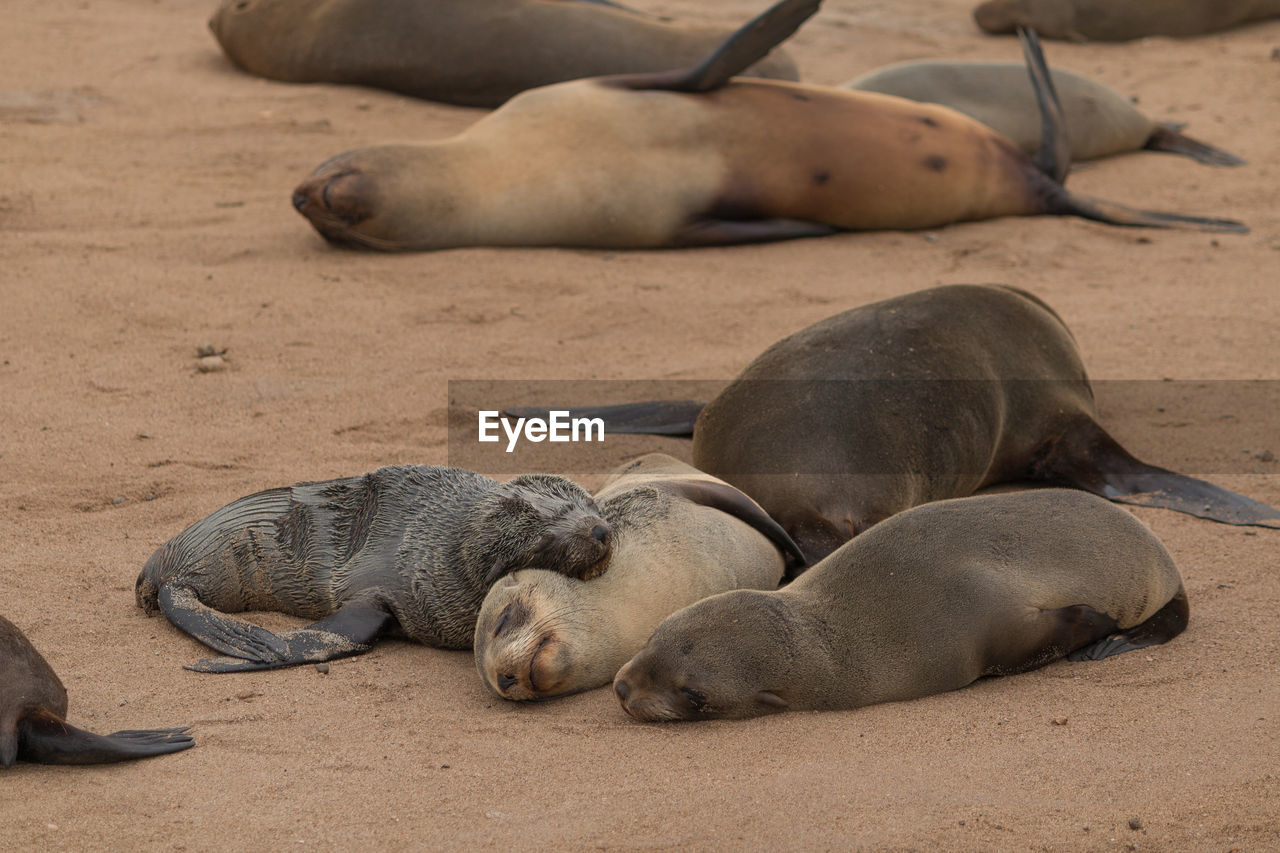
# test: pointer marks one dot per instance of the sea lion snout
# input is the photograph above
(334, 199)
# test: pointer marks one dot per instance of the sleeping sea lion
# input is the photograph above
(693, 158)
(468, 52)
(1099, 120)
(407, 551)
(33, 710)
(679, 536)
(921, 397)
(927, 601)
(1107, 20)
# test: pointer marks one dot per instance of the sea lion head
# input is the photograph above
(531, 637)
(388, 197)
(543, 521)
(253, 33)
(726, 656)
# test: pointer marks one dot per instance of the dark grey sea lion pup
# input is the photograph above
(1120, 20)
(1099, 120)
(33, 710)
(468, 52)
(679, 535)
(405, 551)
(697, 157)
(928, 601)
(918, 398)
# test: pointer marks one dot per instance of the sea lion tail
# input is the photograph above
(748, 45)
(1054, 156)
(1166, 137)
(1060, 201)
(652, 417)
(46, 739)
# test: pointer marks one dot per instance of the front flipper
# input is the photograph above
(653, 417)
(1086, 457)
(352, 630)
(733, 501)
(728, 232)
(747, 46)
(1054, 156)
(45, 739)
(1165, 624)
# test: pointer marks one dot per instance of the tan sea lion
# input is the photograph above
(918, 398)
(679, 536)
(692, 158)
(407, 551)
(1107, 20)
(33, 710)
(1099, 120)
(927, 601)
(468, 52)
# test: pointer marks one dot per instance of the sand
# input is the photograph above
(144, 211)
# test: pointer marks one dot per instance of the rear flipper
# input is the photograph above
(352, 630)
(1165, 624)
(1086, 457)
(1167, 138)
(1054, 156)
(653, 417)
(1063, 203)
(45, 739)
(751, 43)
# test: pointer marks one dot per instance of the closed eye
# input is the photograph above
(695, 698)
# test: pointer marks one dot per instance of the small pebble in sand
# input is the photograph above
(1265, 456)
(117, 501)
(1059, 721)
(207, 349)
(211, 364)
(1135, 823)
(322, 668)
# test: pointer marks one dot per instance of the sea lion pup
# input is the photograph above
(679, 536)
(1107, 20)
(406, 551)
(468, 52)
(692, 158)
(927, 601)
(33, 710)
(918, 398)
(1099, 120)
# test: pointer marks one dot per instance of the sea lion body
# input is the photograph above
(467, 52)
(927, 601)
(1099, 120)
(1105, 20)
(406, 550)
(542, 634)
(33, 710)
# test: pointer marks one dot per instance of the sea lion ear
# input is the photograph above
(500, 568)
(771, 700)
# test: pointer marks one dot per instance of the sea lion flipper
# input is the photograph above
(218, 631)
(729, 500)
(1061, 202)
(747, 46)
(728, 232)
(1166, 137)
(46, 739)
(652, 417)
(351, 630)
(1165, 624)
(1054, 156)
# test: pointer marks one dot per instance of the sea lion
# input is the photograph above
(679, 536)
(918, 398)
(467, 52)
(33, 710)
(407, 551)
(690, 158)
(1099, 120)
(1105, 20)
(927, 601)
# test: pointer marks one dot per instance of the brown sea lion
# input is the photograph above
(1099, 120)
(406, 551)
(33, 710)
(1108, 20)
(679, 536)
(921, 397)
(927, 601)
(690, 158)
(468, 52)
